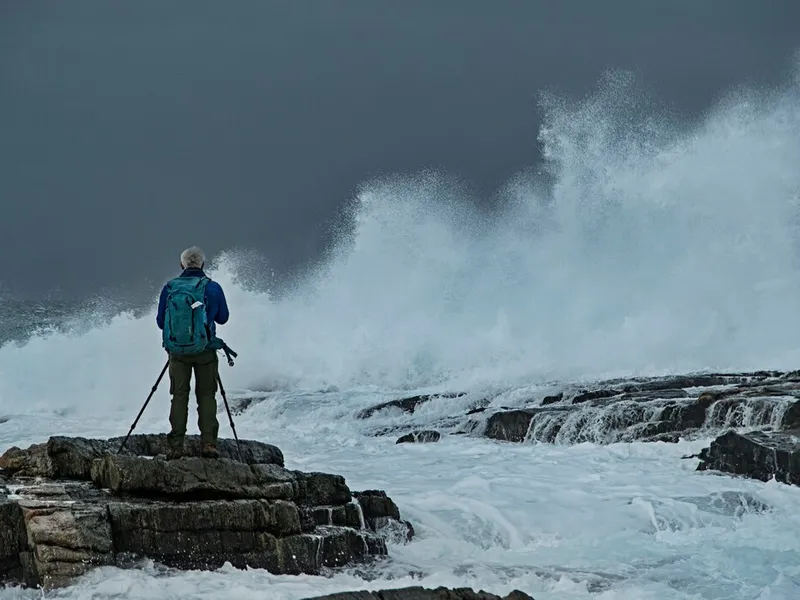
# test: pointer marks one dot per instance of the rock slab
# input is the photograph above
(71, 504)
(420, 593)
(72, 457)
(756, 454)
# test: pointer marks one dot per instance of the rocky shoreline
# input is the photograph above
(71, 504)
(754, 418)
(655, 409)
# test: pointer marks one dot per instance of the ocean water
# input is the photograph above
(649, 247)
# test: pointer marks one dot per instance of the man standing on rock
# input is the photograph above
(189, 307)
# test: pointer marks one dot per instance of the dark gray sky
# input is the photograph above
(129, 130)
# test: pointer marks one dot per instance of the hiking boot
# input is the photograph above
(174, 453)
(209, 450)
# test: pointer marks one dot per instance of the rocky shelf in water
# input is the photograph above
(754, 418)
(420, 593)
(664, 409)
(71, 504)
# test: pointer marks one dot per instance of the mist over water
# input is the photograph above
(648, 246)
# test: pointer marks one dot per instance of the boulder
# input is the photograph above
(76, 504)
(420, 593)
(757, 454)
(408, 405)
(381, 515)
(421, 437)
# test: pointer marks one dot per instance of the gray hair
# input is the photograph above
(193, 258)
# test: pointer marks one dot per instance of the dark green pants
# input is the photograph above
(206, 368)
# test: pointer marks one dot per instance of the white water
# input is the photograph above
(658, 250)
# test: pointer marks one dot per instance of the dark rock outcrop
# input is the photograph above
(420, 593)
(381, 514)
(661, 409)
(12, 537)
(408, 405)
(421, 437)
(656, 409)
(71, 504)
(757, 454)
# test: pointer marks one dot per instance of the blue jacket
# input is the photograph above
(216, 305)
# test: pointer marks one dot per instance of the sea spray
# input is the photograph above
(650, 248)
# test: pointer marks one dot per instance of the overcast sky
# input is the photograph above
(130, 130)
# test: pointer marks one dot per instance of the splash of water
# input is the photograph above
(657, 248)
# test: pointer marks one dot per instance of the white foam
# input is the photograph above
(622, 521)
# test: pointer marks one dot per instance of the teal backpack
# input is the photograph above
(185, 330)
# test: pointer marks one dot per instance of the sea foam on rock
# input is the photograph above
(70, 504)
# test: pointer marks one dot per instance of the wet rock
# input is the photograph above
(510, 425)
(193, 478)
(421, 437)
(791, 419)
(321, 489)
(663, 409)
(13, 540)
(408, 405)
(584, 396)
(758, 455)
(375, 504)
(348, 515)
(381, 514)
(552, 399)
(686, 381)
(190, 513)
(240, 405)
(3, 420)
(420, 593)
(65, 541)
(72, 457)
(662, 394)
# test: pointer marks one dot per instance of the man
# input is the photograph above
(189, 308)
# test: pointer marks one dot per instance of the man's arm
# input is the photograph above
(217, 304)
(162, 307)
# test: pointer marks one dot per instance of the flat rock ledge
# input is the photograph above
(71, 504)
(419, 593)
(761, 455)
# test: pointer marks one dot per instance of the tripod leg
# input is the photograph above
(230, 418)
(146, 402)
